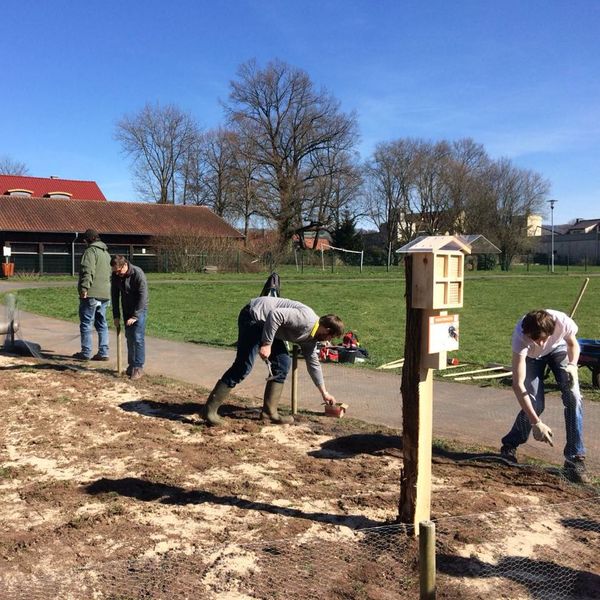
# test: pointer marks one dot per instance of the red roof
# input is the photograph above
(18, 213)
(42, 186)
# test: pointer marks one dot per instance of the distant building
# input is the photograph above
(50, 187)
(574, 243)
(42, 221)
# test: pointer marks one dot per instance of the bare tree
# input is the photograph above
(159, 140)
(510, 196)
(8, 166)
(432, 198)
(333, 188)
(248, 189)
(217, 155)
(465, 180)
(390, 176)
(285, 122)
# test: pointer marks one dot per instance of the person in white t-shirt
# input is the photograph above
(541, 339)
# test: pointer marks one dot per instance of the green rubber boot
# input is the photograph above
(216, 398)
(269, 412)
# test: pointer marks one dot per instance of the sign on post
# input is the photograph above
(443, 333)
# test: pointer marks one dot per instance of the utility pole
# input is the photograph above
(552, 203)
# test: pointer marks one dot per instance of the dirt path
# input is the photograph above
(115, 490)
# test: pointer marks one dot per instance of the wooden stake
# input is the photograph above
(427, 560)
(119, 360)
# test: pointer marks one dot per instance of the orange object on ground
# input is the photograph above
(336, 410)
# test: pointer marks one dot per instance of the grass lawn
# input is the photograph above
(205, 311)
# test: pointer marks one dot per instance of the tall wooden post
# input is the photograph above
(417, 415)
(434, 267)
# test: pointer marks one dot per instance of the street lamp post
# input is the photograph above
(552, 203)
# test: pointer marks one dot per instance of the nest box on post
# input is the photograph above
(437, 284)
(438, 271)
(434, 284)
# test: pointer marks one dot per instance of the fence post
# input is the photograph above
(238, 261)
(427, 560)
(41, 258)
(332, 260)
(295, 380)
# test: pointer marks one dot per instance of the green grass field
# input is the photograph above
(205, 310)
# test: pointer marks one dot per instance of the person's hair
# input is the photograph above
(333, 323)
(91, 235)
(118, 261)
(538, 322)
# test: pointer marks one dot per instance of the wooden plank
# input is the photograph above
(489, 376)
(473, 371)
(394, 364)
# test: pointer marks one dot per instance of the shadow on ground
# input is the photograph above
(148, 491)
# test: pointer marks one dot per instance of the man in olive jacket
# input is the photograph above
(94, 295)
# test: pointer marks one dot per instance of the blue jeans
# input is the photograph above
(573, 408)
(136, 342)
(248, 343)
(92, 314)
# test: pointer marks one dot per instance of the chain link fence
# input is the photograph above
(541, 552)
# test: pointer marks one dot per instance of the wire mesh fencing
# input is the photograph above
(540, 552)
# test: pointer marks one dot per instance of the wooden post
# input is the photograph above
(427, 560)
(119, 360)
(579, 297)
(294, 380)
(417, 415)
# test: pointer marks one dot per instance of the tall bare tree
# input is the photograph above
(159, 140)
(9, 166)
(513, 194)
(249, 191)
(217, 153)
(285, 122)
(389, 192)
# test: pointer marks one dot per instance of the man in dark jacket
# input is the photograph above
(94, 294)
(130, 290)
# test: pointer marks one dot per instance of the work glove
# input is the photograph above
(573, 374)
(542, 433)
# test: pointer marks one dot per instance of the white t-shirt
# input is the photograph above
(522, 344)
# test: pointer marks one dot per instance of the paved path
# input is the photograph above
(467, 413)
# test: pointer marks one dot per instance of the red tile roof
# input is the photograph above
(41, 186)
(19, 213)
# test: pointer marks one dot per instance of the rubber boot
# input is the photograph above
(273, 392)
(215, 399)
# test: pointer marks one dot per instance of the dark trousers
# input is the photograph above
(248, 343)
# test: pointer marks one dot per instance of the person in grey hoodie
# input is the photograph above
(130, 291)
(264, 325)
(94, 294)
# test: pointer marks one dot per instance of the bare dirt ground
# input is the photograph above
(110, 489)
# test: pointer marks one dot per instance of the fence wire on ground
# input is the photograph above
(551, 553)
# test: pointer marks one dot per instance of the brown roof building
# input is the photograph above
(44, 234)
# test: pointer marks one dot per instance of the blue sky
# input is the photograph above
(520, 77)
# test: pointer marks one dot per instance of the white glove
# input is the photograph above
(543, 433)
(573, 374)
